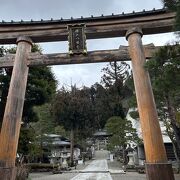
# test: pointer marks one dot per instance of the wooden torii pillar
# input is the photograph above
(13, 111)
(157, 166)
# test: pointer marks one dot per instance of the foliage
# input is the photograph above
(61, 131)
(73, 109)
(5, 75)
(27, 136)
(36, 167)
(115, 77)
(102, 107)
(134, 114)
(45, 123)
(22, 172)
(164, 70)
(178, 118)
(41, 86)
(115, 73)
(122, 132)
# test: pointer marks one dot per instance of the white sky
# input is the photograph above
(86, 74)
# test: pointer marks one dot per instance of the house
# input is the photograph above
(139, 153)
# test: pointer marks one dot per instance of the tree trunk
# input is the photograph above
(115, 72)
(172, 117)
(124, 155)
(72, 147)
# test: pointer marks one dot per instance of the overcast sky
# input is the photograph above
(86, 74)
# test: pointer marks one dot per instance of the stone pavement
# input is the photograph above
(134, 176)
(115, 165)
(50, 176)
(97, 169)
(64, 176)
(112, 172)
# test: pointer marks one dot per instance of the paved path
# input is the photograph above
(96, 170)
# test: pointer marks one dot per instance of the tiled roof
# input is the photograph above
(84, 19)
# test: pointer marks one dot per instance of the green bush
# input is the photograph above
(41, 167)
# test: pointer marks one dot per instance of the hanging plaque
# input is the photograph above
(77, 39)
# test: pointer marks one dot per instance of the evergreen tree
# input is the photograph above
(73, 109)
(122, 133)
(101, 101)
(164, 70)
(115, 77)
(41, 86)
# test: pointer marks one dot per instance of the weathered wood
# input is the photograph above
(7, 173)
(7, 61)
(159, 171)
(13, 111)
(36, 59)
(152, 22)
(153, 142)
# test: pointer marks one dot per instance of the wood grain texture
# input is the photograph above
(153, 142)
(8, 173)
(157, 167)
(14, 106)
(36, 59)
(159, 171)
(101, 27)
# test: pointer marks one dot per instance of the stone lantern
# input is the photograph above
(130, 155)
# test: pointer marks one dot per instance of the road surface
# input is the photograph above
(96, 170)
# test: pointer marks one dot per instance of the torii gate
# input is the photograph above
(133, 26)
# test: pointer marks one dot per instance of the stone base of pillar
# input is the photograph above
(8, 173)
(159, 171)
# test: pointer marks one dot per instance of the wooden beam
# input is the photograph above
(151, 22)
(36, 59)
